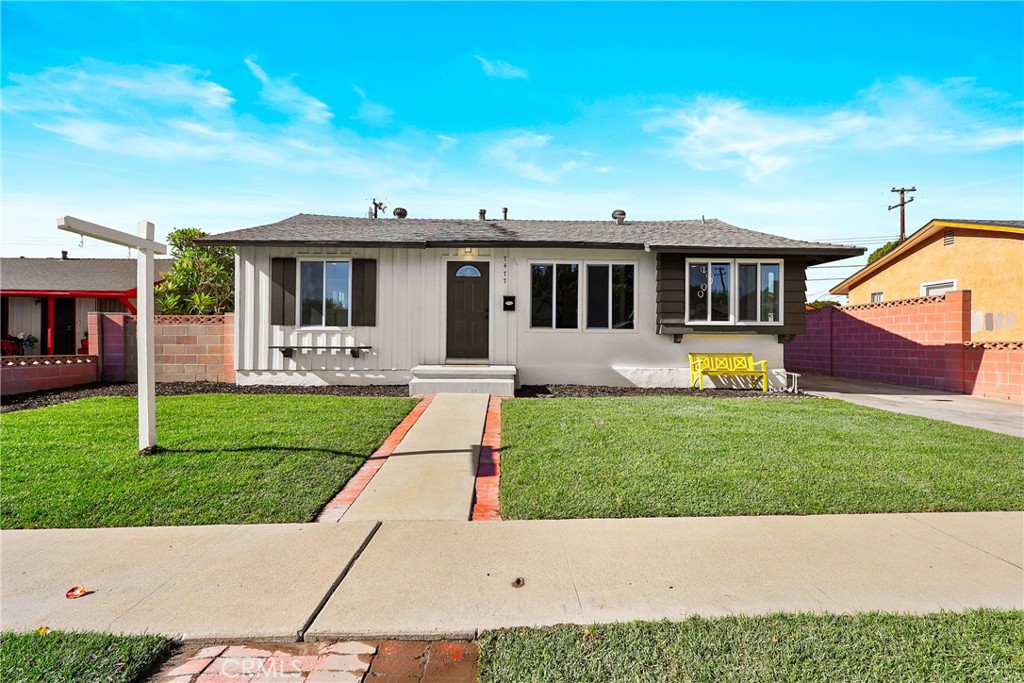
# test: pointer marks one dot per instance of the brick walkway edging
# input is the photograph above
(339, 505)
(486, 506)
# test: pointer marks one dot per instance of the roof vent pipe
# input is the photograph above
(483, 214)
(399, 212)
(504, 213)
(619, 215)
(63, 256)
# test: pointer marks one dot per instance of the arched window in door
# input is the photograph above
(467, 271)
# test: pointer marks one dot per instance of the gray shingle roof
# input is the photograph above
(712, 234)
(85, 275)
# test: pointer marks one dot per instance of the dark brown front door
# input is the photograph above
(63, 327)
(468, 309)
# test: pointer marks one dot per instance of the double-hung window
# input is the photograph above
(610, 301)
(325, 293)
(555, 295)
(733, 292)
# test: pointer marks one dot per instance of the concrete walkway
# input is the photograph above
(992, 414)
(454, 579)
(431, 474)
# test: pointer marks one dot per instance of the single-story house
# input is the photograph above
(985, 257)
(436, 303)
(50, 298)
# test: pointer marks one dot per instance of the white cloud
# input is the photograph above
(714, 133)
(446, 142)
(500, 69)
(370, 112)
(531, 156)
(92, 83)
(175, 113)
(286, 97)
(604, 169)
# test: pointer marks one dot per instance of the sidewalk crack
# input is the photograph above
(967, 543)
(572, 576)
(301, 635)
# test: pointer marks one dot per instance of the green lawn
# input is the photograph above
(978, 646)
(682, 456)
(228, 459)
(66, 657)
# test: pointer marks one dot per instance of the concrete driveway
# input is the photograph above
(1006, 417)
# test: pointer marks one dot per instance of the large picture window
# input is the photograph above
(325, 293)
(610, 298)
(555, 295)
(733, 292)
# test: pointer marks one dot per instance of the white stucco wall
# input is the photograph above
(411, 325)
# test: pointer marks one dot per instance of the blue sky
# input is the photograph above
(794, 119)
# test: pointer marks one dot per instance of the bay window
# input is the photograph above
(325, 293)
(733, 292)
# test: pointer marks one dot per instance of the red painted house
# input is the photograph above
(50, 298)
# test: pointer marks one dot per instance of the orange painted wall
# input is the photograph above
(989, 264)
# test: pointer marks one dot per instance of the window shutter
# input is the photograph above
(364, 292)
(282, 291)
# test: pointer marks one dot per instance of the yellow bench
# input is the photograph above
(728, 364)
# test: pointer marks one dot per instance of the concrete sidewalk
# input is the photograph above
(454, 579)
(258, 582)
(1006, 417)
(431, 474)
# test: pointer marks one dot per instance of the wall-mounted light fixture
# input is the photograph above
(469, 250)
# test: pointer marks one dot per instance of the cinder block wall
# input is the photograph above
(21, 374)
(994, 369)
(188, 348)
(924, 342)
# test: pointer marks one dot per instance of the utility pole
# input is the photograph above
(903, 203)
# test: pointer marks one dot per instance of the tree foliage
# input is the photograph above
(883, 250)
(202, 280)
(822, 303)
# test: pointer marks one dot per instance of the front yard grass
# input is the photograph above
(972, 647)
(684, 456)
(69, 657)
(227, 459)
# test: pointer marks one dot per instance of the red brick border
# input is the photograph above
(339, 505)
(486, 506)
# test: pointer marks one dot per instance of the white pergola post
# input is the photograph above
(146, 246)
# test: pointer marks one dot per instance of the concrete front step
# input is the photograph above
(499, 380)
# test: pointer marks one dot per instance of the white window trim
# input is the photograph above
(949, 281)
(323, 294)
(881, 297)
(554, 289)
(586, 294)
(733, 293)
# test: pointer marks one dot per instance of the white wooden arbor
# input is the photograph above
(146, 246)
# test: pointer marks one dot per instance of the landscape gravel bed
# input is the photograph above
(51, 397)
(583, 391)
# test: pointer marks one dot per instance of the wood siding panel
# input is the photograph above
(671, 299)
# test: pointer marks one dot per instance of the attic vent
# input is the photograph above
(948, 237)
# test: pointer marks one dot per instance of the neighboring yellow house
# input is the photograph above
(985, 257)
